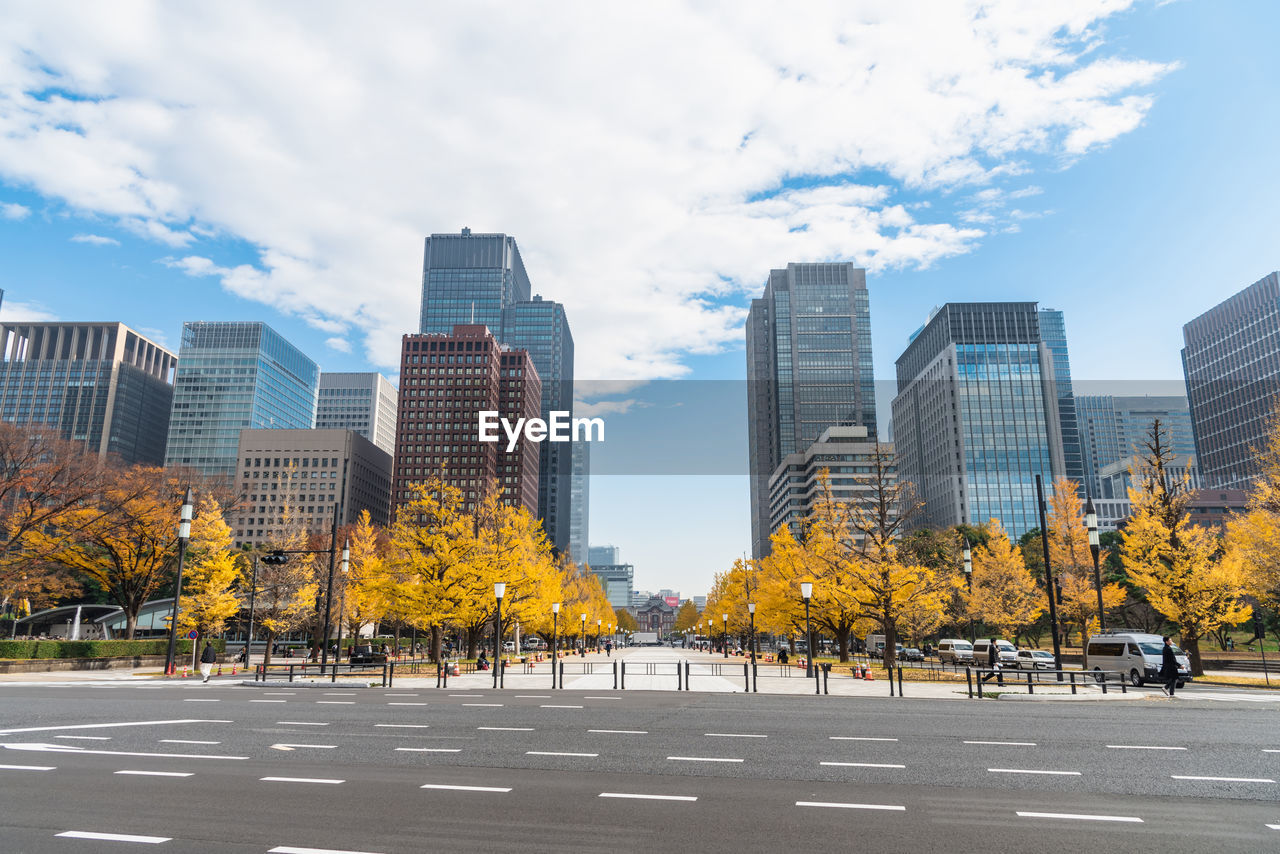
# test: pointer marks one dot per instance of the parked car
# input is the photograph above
(911, 654)
(955, 651)
(1137, 655)
(534, 643)
(508, 646)
(1006, 653)
(1034, 659)
(366, 655)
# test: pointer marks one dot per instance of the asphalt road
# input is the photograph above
(221, 767)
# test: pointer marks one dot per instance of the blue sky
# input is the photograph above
(285, 167)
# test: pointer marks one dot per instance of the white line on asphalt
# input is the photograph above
(108, 726)
(28, 767)
(400, 695)
(466, 788)
(1080, 816)
(851, 806)
(299, 780)
(648, 797)
(733, 735)
(288, 746)
(79, 751)
(548, 706)
(602, 698)
(1274, 826)
(183, 741)
(533, 696)
(406, 704)
(622, 731)
(484, 705)
(268, 701)
(1224, 779)
(553, 753)
(429, 749)
(278, 693)
(85, 737)
(335, 702)
(508, 728)
(157, 773)
(200, 700)
(1032, 771)
(301, 723)
(405, 726)
(293, 849)
(1268, 750)
(700, 759)
(112, 837)
(466, 695)
(340, 693)
(1006, 743)
(863, 764)
(1141, 747)
(858, 738)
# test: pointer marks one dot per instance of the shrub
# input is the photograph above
(45, 649)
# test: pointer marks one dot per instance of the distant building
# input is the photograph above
(580, 502)
(297, 477)
(1113, 428)
(617, 580)
(445, 382)
(1053, 331)
(1116, 478)
(604, 555)
(700, 602)
(1231, 362)
(1215, 507)
(99, 384)
(363, 402)
(655, 615)
(235, 376)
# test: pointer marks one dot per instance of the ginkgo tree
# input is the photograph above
(1072, 562)
(212, 574)
(1004, 593)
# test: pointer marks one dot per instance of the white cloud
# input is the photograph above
(653, 160)
(10, 210)
(28, 311)
(342, 345)
(95, 240)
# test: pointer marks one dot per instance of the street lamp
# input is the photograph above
(184, 536)
(968, 577)
(555, 626)
(751, 609)
(583, 651)
(724, 637)
(1091, 522)
(345, 566)
(806, 592)
(599, 623)
(499, 590)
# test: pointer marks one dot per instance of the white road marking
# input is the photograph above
(335, 702)
(268, 701)
(299, 780)
(507, 728)
(157, 773)
(185, 741)
(1268, 750)
(484, 705)
(1032, 771)
(622, 731)
(340, 693)
(406, 704)
(278, 693)
(892, 807)
(1224, 779)
(301, 723)
(553, 753)
(466, 695)
(700, 759)
(113, 837)
(287, 746)
(429, 749)
(1006, 743)
(108, 726)
(863, 764)
(466, 788)
(85, 737)
(1141, 747)
(602, 698)
(28, 767)
(79, 751)
(200, 700)
(1081, 817)
(1274, 826)
(292, 849)
(732, 735)
(648, 797)
(533, 696)
(405, 726)
(400, 695)
(858, 738)
(547, 706)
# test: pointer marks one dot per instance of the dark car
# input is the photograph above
(366, 655)
(911, 654)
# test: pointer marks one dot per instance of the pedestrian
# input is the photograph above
(608, 649)
(207, 659)
(993, 661)
(1169, 667)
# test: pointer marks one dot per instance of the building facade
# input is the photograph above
(846, 454)
(604, 555)
(445, 382)
(363, 402)
(469, 279)
(654, 614)
(618, 580)
(99, 384)
(580, 502)
(290, 479)
(976, 416)
(235, 376)
(1113, 428)
(1231, 363)
(1053, 331)
(808, 368)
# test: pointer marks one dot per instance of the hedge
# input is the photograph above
(26, 649)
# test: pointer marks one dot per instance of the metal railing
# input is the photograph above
(1030, 678)
(385, 670)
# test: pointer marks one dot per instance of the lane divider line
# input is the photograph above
(862, 764)
(888, 807)
(406, 704)
(548, 706)
(466, 788)
(507, 728)
(634, 796)
(732, 735)
(1223, 779)
(1081, 816)
(156, 773)
(622, 731)
(293, 849)
(858, 738)
(1141, 747)
(28, 767)
(300, 780)
(113, 837)
(700, 759)
(1006, 743)
(429, 749)
(554, 753)
(302, 723)
(404, 726)
(85, 737)
(1033, 771)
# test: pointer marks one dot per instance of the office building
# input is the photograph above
(1231, 363)
(235, 376)
(469, 279)
(445, 382)
(604, 555)
(99, 384)
(1053, 332)
(976, 416)
(290, 479)
(580, 502)
(363, 402)
(846, 454)
(540, 327)
(617, 580)
(1117, 478)
(1114, 427)
(808, 368)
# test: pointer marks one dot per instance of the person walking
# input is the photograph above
(208, 658)
(1169, 667)
(993, 661)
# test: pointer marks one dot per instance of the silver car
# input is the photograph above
(1034, 659)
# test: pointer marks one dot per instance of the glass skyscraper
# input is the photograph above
(363, 402)
(1112, 428)
(469, 279)
(808, 368)
(235, 376)
(976, 416)
(1053, 331)
(580, 502)
(1231, 362)
(100, 384)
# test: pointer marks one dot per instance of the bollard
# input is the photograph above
(968, 678)
(615, 676)
(889, 667)
(755, 678)
(826, 671)
(291, 672)
(817, 681)
(1030, 689)
(746, 679)
(899, 681)
(1073, 682)
(561, 675)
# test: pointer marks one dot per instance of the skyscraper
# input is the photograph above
(1231, 362)
(1053, 331)
(808, 368)
(604, 555)
(976, 416)
(469, 279)
(235, 376)
(363, 402)
(540, 327)
(101, 384)
(580, 502)
(1113, 427)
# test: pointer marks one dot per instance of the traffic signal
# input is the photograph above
(1259, 630)
(276, 558)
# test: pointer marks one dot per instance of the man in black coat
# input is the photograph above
(993, 661)
(1169, 667)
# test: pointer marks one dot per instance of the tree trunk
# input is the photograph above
(842, 637)
(271, 642)
(436, 641)
(471, 642)
(890, 641)
(1192, 647)
(130, 623)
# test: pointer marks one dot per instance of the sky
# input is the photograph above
(1114, 159)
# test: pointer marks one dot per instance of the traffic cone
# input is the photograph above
(184, 671)
(219, 669)
(233, 668)
(867, 674)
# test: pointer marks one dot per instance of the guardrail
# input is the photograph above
(1015, 678)
(386, 670)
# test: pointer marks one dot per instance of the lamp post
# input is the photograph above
(184, 536)
(328, 595)
(599, 623)
(1091, 522)
(724, 636)
(499, 590)
(806, 592)
(253, 591)
(583, 651)
(345, 568)
(751, 609)
(555, 638)
(968, 577)
(1049, 585)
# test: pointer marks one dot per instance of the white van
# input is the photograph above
(1138, 655)
(1006, 653)
(955, 651)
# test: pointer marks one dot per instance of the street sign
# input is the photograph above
(192, 635)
